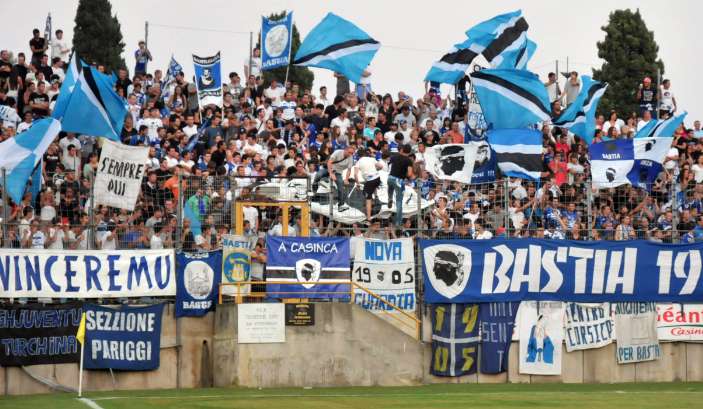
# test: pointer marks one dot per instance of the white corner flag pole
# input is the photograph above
(80, 375)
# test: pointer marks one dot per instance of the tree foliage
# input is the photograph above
(97, 37)
(297, 75)
(630, 54)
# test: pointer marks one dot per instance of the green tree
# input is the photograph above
(297, 74)
(97, 37)
(630, 54)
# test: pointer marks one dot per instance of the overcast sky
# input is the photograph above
(412, 34)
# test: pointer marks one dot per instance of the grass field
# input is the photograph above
(620, 396)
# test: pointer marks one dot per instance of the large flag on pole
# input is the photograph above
(93, 108)
(511, 98)
(173, 68)
(276, 36)
(518, 151)
(67, 86)
(20, 155)
(451, 67)
(338, 45)
(580, 116)
(516, 55)
(662, 127)
(208, 80)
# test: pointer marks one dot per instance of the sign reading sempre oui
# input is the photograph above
(119, 176)
(465, 271)
(87, 274)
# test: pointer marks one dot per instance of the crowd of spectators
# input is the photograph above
(281, 130)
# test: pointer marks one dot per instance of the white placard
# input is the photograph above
(87, 274)
(636, 323)
(261, 323)
(676, 322)
(541, 336)
(588, 326)
(119, 176)
(387, 269)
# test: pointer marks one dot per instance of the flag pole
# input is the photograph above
(80, 375)
(290, 49)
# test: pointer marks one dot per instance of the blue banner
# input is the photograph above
(461, 271)
(208, 80)
(454, 339)
(276, 41)
(126, 338)
(497, 320)
(199, 276)
(313, 265)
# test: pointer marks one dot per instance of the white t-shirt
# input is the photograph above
(255, 65)
(697, 172)
(367, 168)
(156, 243)
(108, 241)
(153, 125)
(288, 109)
(251, 214)
(342, 124)
(58, 243)
(38, 240)
(190, 130)
(667, 99)
(641, 124)
(275, 94)
(64, 143)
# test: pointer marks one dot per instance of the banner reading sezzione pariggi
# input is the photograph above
(463, 271)
(86, 274)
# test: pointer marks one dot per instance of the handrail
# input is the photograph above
(352, 285)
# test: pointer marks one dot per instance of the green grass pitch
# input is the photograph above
(619, 396)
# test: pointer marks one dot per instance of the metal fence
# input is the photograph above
(194, 212)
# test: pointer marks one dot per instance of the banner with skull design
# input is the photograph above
(307, 267)
(208, 80)
(198, 282)
(459, 162)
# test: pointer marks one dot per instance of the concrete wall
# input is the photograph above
(346, 346)
(184, 367)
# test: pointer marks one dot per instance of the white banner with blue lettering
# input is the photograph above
(307, 267)
(198, 282)
(588, 326)
(87, 274)
(385, 268)
(276, 41)
(464, 271)
(208, 80)
(126, 338)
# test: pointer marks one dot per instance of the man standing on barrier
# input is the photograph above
(338, 162)
(401, 169)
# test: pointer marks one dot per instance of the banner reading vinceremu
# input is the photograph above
(119, 176)
(87, 274)
(462, 271)
(386, 268)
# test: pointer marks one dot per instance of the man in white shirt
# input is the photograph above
(190, 127)
(59, 48)
(69, 140)
(366, 172)
(323, 99)
(288, 105)
(667, 105)
(646, 117)
(342, 121)
(275, 93)
(152, 120)
(255, 64)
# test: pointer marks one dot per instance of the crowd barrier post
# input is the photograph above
(589, 214)
(91, 216)
(506, 205)
(676, 238)
(179, 212)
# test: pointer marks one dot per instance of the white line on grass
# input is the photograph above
(90, 403)
(372, 395)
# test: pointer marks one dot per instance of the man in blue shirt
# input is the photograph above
(141, 56)
(698, 230)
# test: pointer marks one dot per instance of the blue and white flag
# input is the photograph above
(69, 82)
(173, 68)
(484, 33)
(275, 41)
(338, 45)
(454, 339)
(199, 276)
(518, 151)
(649, 156)
(315, 267)
(511, 98)
(516, 55)
(208, 80)
(451, 67)
(497, 320)
(580, 116)
(93, 108)
(123, 338)
(662, 127)
(611, 162)
(21, 154)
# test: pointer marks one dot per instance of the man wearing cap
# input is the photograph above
(338, 162)
(647, 97)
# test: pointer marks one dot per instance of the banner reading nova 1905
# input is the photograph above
(87, 274)
(465, 271)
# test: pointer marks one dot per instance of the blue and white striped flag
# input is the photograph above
(69, 82)
(516, 55)
(173, 68)
(20, 155)
(580, 116)
(511, 98)
(451, 67)
(338, 45)
(662, 127)
(518, 151)
(194, 139)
